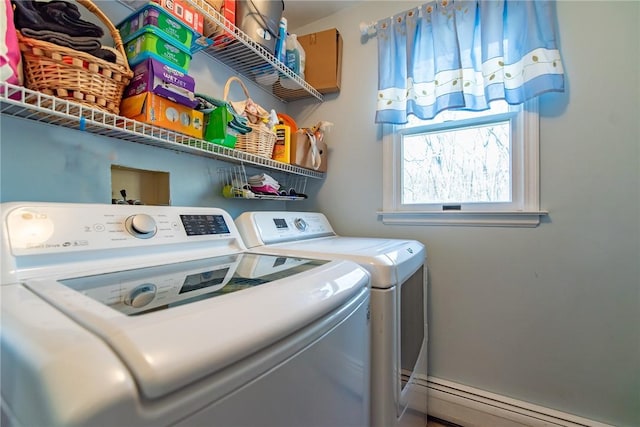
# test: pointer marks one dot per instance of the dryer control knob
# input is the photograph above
(141, 295)
(141, 226)
(300, 224)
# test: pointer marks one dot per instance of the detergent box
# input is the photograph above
(178, 8)
(155, 110)
(154, 76)
(153, 14)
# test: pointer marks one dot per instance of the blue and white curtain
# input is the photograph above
(464, 54)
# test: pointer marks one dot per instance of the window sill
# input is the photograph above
(460, 218)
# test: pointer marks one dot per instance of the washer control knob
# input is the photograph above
(141, 226)
(141, 295)
(300, 224)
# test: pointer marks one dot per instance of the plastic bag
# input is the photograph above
(246, 107)
(10, 57)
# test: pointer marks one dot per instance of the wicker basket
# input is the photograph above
(259, 141)
(77, 76)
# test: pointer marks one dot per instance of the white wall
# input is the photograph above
(548, 315)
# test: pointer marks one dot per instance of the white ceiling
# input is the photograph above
(302, 12)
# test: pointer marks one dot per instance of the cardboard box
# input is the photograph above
(161, 79)
(323, 60)
(300, 154)
(158, 111)
(223, 38)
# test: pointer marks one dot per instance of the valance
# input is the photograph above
(464, 54)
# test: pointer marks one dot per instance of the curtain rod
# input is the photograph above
(368, 29)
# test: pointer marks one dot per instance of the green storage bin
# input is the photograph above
(152, 43)
(216, 128)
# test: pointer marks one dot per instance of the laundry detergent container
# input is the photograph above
(259, 19)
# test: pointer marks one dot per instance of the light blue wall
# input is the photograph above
(42, 162)
(549, 315)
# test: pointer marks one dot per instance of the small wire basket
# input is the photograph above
(235, 184)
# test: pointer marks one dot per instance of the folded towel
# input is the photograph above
(107, 54)
(71, 9)
(111, 54)
(263, 182)
(58, 16)
(84, 44)
(68, 15)
(90, 45)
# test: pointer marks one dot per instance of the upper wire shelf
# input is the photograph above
(248, 58)
(21, 102)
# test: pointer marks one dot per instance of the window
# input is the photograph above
(464, 168)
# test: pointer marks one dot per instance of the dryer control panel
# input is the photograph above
(263, 228)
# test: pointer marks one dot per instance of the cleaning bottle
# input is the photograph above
(293, 54)
(295, 61)
(281, 50)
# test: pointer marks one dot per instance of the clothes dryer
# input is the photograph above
(156, 316)
(398, 302)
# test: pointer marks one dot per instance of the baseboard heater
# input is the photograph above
(471, 407)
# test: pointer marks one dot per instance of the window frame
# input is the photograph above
(523, 211)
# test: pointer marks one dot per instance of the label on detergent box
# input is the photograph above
(169, 51)
(174, 29)
(154, 76)
(178, 78)
(156, 110)
(150, 43)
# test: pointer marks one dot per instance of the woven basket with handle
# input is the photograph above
(260, 140)
(74, 75)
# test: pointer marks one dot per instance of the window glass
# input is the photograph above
(467, 165)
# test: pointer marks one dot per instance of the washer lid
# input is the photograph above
(390, 261)
(176, 323)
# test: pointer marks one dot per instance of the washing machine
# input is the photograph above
(118, 315)
(398, 302)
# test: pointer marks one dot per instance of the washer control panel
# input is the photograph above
(47, 228)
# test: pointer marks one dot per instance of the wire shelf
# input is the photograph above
(24, 103)
(250, 59)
